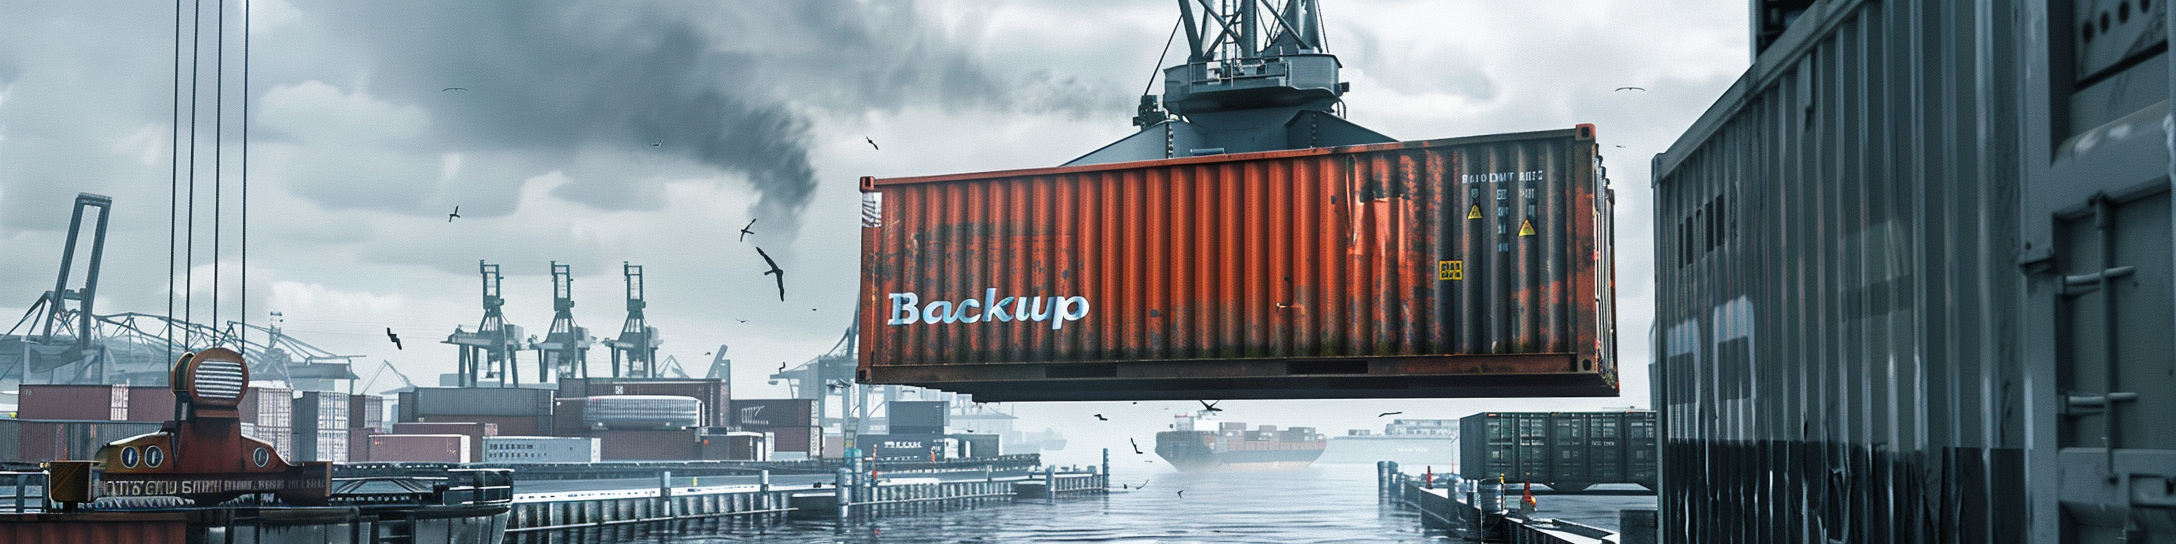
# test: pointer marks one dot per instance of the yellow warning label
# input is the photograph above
(1526, 228)
(1474, 213)
(1451, 270)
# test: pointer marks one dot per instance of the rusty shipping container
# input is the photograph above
(1463, 267)
(94, 402)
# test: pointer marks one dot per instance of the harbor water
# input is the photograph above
(1321, 503)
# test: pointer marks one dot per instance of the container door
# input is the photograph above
(2096, 256)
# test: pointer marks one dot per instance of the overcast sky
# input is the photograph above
(593, 133)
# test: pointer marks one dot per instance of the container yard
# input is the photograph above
(1567, 451)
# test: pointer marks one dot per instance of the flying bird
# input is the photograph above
(656, 143)
(453, 89)
(1182, 493)
(1099, 417)
(1136, 446)
(741, 320)
(1388, 414)
(394, 337)
(744, 232)
(1630, 89)
(456, 214)
(774, 271)
(1207, 406)
(872, 143)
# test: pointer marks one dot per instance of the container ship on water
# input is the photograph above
(1201, 443)
(1411, 442)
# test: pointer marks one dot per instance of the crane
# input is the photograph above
(61, 333)
(564, 353)
(638, 341)
(489, 352)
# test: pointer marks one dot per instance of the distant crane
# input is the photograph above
(564, 353)
(73, 343)
(638, 341)
(721, 368)
(490, 352)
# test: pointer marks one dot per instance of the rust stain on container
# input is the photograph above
(1466, 267)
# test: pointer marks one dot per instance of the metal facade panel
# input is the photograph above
(1460, 267)
(1840, 308)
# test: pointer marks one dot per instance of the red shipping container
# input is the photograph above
(751, 413)
(648, 445)
(808, 439)
(93, 402)
(359, 444)
(1465, 267)
(150, 403)
(567, 417)
(502, 425)
(476, 432)
(421, 448)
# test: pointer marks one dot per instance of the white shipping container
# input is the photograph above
(541, 449)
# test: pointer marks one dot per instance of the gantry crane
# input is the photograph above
(564, 352)
(61, 337)
(638, 341)
(490, 352)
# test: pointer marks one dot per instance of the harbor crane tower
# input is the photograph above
(638, 341)
(564, 353)
(490, 351)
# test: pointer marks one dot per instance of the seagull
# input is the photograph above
(656, 143)
(1182, 493)
(1099, 417)
(744, 232)
(872, 143)
(1207, 406)
(1388, 414)
(1630, 89)
(456, 213)
(453, 89)
(774, 270)
(1136, 446)
(394, 337)
(741, 320)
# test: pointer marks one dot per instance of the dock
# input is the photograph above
(1476, 511)
(533, 505)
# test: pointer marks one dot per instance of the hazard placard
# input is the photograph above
(1526, 228)
(1451, 270)
(1474, 213)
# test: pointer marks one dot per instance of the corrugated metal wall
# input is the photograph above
(1888, 260)
(1346, 258)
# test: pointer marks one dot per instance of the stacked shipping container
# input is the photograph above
(1567, 451)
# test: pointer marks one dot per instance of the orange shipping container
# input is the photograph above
(1465, 267)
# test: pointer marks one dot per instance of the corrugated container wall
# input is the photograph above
(1465, 267)
(759, 414)
(1568, 451)
(476, 401)
(1914, 283)
(99, 402)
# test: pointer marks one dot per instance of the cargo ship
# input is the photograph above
(1198, 442)
(1409, 442)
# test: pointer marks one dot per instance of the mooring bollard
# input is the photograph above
(664, 491)
(1050, 482)
(764, 480)
(1103, 479)
(839, 489)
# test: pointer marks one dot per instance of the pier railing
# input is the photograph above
(1477, 511)
(22, 491)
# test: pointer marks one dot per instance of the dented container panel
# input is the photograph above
(1461, 267)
